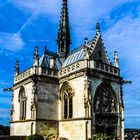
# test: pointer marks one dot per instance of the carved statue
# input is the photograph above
(113, 106)
(98, 105)
(104, 101)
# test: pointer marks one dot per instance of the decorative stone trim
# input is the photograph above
(30, 120)
(71, 76)
(36, 71)
(91, 65)
(75, 119)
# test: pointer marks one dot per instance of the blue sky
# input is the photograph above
(27, 23)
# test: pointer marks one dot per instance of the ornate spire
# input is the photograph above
(36, 57)
(98, 27)
(17, 68)
(64, 39)
(116, 59)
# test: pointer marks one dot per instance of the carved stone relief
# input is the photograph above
(104, 100)
(105, 109)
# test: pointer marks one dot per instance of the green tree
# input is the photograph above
(102, 136)
(35, 137)
(49, 137)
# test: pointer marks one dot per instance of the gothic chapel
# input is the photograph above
(69, 94)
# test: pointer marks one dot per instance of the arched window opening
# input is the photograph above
(105, 99)
(22, 101)
(70, 107)
(67, 101)
(65, 107)
(105, 109)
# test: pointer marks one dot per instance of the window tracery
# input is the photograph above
(22, 101)
(67, 101)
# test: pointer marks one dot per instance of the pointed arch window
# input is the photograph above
(105, 109)
(67, 101)
(22, 102)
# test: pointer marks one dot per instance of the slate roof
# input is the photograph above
(74, 57)
(44, 61)
(87, 51)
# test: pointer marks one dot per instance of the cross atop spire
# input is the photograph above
(64, 39)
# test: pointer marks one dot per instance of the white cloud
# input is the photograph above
(91, 10)
(85, 13)
(81, 11)
(124, 36)
(11, 41)
(38, 6)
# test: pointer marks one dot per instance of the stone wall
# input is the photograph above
(22, 128)
(47, 101)
(46, 128)
(75, 130)
(79, 126)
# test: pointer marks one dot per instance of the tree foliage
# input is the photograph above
(35, 137)
(52, 137)
(4, 130)
(102, 136)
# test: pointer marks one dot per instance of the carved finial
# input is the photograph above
(17, 68)
(116, 59)
(86, 42)
(36, 57)
(86, 48)
(98, 27)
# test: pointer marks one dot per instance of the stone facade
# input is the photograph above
(74, 95)
(40, 92)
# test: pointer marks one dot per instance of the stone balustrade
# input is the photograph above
(67, 70)
(23, 75)
(106, 68)
(35, 70)
(72, 68)
(89, 64)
